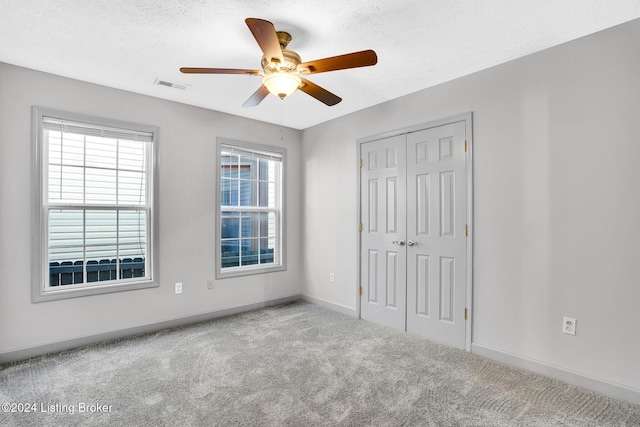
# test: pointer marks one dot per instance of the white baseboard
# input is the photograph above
(349, 311)
(617, 391)
(58, 346)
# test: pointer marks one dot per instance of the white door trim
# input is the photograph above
(467, 118)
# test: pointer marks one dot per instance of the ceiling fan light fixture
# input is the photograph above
(281, 84)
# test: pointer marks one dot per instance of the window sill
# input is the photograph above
(247, 271)
(63, 292)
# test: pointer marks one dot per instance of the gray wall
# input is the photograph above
(186, 167)
(556, 202)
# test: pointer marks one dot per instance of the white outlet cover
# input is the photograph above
(332, 278)
(569, 325)
(179, 288)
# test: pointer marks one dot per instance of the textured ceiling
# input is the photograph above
(128, 44)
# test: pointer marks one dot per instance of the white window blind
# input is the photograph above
(50, 123)
(97, 203)
(259, 154)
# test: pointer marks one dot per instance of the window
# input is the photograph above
(95, 205)
(250, 223)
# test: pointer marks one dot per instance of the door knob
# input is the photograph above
(411, 243)
(398, 242)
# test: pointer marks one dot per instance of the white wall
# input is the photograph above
(556, 202)
(186, 167)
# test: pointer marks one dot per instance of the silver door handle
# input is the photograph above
(411, 243)
(398, 242)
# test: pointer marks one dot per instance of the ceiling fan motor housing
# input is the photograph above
(291, 62)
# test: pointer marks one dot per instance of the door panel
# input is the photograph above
(436, 262)
(383, 225)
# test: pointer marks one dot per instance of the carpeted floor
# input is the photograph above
(291, 365)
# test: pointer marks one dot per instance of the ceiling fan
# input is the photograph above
(282, 69)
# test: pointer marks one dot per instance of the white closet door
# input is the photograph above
(436, 241)
(383, 256)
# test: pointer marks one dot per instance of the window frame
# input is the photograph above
(222, 273)
(41, 291)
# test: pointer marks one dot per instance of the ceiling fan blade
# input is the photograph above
(363, 58)
(265, 34)
(319, 93)
(257, 97)
(188, 70)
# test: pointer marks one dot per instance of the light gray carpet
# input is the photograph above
(293, 365)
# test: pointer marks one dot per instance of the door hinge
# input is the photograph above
(466, 230)
(360, 227)
(361, 162)
(360, 290)
(465, 314)
(465, 146)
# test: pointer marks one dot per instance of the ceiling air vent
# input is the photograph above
(180, 86)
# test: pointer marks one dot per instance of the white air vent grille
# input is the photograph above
(160, 82)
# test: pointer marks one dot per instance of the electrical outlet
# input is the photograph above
(209, 284)
(179, 288)
(332, 278)
(569, 325)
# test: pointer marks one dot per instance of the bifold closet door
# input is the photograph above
(436, 226)
(383, 255)
(413, 262)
